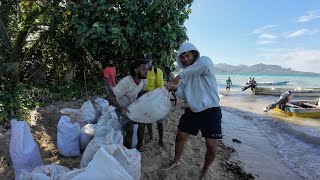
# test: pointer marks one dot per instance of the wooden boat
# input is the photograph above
(278, 83)
(307, 92)
(301, 109)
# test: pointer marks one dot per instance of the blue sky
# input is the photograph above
(280, 32)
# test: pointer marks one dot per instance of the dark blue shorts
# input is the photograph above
(207, 121)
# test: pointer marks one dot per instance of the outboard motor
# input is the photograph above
(281, 102)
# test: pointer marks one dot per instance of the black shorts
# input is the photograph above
(207, 121)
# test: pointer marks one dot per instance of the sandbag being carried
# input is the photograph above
(68, 137)
(150, 107)
(24, 152)
(103, 166)
(86, 135)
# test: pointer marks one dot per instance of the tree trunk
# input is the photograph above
(71, 72)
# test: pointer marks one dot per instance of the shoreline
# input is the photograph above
(43, 125)
(255, 151)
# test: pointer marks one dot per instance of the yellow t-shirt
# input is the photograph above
(154, 80)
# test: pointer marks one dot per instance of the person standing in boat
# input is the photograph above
(249, 81)
(253, 84)
(229, 83)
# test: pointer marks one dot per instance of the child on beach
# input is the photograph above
(197, 85)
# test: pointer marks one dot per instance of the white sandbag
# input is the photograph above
(24, 152)
(68, 137)
(105, 124)
(100, 104)
(87, 113)
(109, 142)
(46, 172)
(33, 176)
(86, 135)
(151, 106)
(109, 111)
(71, 113)
(103, 166)
(130, 159)
(135, 135)
(71, 174)
(88, 153)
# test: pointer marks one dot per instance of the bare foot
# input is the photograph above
(204, 176)
(173, 165)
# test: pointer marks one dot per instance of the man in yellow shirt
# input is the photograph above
(154, 80)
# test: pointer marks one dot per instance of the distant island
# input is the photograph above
(223, 68)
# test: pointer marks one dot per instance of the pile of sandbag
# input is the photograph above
(95, 128)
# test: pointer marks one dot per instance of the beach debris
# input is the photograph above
(236, 140)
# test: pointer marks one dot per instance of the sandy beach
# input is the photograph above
(228, 163)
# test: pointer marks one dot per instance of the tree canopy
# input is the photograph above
(42, 42)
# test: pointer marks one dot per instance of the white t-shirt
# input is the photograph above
(126, 91)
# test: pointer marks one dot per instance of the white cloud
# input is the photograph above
(267, 36)
(311, 15)
(266, 41)
(297, 59)
(302, 32)
(263, 29)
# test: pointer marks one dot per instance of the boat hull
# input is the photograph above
(314, 92)
(301, 108)
(273, 83)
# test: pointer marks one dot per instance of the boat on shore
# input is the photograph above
(306, 92)
(303, 108)
(277, 83)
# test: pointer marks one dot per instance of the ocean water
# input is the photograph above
(297, 140)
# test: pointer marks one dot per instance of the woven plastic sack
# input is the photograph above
(68, 137)
(103, 166)
(86, 135)
(150, 107)
(24, 152)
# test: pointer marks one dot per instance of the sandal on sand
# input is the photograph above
(173, 165)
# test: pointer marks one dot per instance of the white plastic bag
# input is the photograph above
(110, 112)
(130, 159)
(151, 106)
(105, 124)
(87, 113)
(100, 104)
(71, 174)
(24, 152)
(86, 135)
(68, 137)
(71, 113)
(103, 166)
(50, 172)
(110, 142)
